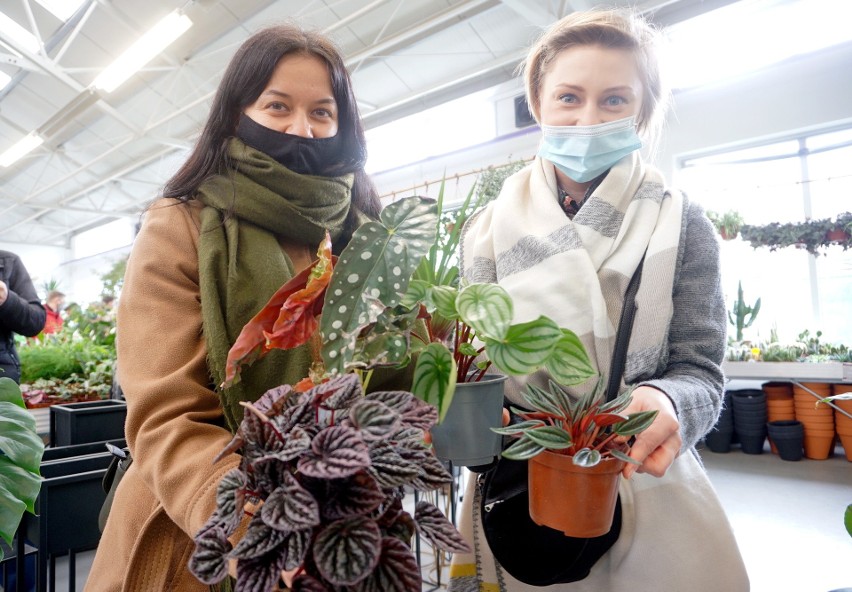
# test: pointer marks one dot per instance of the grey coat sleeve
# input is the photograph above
(692, 376)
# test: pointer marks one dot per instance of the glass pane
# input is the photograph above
(832, 139)
(789, 148)
(831, 182)
(761, 192)
(834, 274)
(779, 278)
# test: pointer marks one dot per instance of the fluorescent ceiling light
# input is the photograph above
(4, 79)
(61, 9)
(747, 36)
(18, 34)
(143, 51)
(24, 146)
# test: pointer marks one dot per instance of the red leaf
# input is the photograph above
(252, 343)
(297, 320)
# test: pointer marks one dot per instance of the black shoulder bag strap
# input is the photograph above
(533, 554)
(622, 337)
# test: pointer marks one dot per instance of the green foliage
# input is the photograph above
(741, 315)
(60, 359)
(485, 335)
(728, 224)
(113, 280)
(20, 456)
(492, 178)
(811, 235)
(585, 428)
(847, 519)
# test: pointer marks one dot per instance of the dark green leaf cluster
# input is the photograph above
(20, 457)
(811, 235)
(326, 470)
(586, 428)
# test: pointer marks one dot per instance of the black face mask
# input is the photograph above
(325, 157)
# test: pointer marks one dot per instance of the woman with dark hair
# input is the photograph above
(279, 161)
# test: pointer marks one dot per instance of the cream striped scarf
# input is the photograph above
(577, 271)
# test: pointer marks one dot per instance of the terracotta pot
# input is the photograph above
(823, 389)
(777, 390)
(846, 441)
(836, 235)
(818, 443)
(845, 405)
(577, 501)
(839, 389)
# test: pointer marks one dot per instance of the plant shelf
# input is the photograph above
(794, 371)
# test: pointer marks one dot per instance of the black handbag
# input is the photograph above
(539, 555)
(121, 461)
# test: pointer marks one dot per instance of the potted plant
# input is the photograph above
(326, 470)
(811, 235)
(455, 378)
(20, 458)
(576, 448)
(325, 463)
(728, 224)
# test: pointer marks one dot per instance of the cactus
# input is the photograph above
(737, 315)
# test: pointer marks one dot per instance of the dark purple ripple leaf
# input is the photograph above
(338, 393)
(295, 443)
(432, 474)
(346, 551)
(403, 528)
(306, 583)
(375, 419)
(297, 547)
(259, 575)
(230, 499)
(209, 561)
(273, 401)
(336, 452)
(302, 415)
(359, 494)
(414, 412)
(389, 468)
(259, 540)
(397, 570)
(391, 512)
(438, 529)
(290, 507)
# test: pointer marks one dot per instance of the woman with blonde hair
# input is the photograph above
(564, 238)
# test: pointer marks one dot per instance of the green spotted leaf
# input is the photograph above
(373, 273)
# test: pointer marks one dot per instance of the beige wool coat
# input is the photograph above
(174, 417)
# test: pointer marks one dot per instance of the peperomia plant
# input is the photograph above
(587, 428)
(326, 470)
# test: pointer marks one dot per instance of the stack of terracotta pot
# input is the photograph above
(844, 422)
(779, 404)
(818, 421)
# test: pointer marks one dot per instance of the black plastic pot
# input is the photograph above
(94, 421)
(719, 440)
(788, 437)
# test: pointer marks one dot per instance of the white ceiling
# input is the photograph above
(106, 155)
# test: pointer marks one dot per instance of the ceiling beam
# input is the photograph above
(533, 12)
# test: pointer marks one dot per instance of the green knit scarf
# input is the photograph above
(241, 262)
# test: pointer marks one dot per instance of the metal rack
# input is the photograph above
(794, 372)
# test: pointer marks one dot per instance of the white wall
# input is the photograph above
(41, 262)
(801, 93)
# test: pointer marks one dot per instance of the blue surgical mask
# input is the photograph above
(584, 152)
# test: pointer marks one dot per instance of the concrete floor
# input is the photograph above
(787, 516)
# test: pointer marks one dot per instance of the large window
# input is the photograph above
(806, 176)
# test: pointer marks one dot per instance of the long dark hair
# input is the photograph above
(245, 78)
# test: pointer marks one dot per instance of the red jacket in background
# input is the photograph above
(53, 323)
